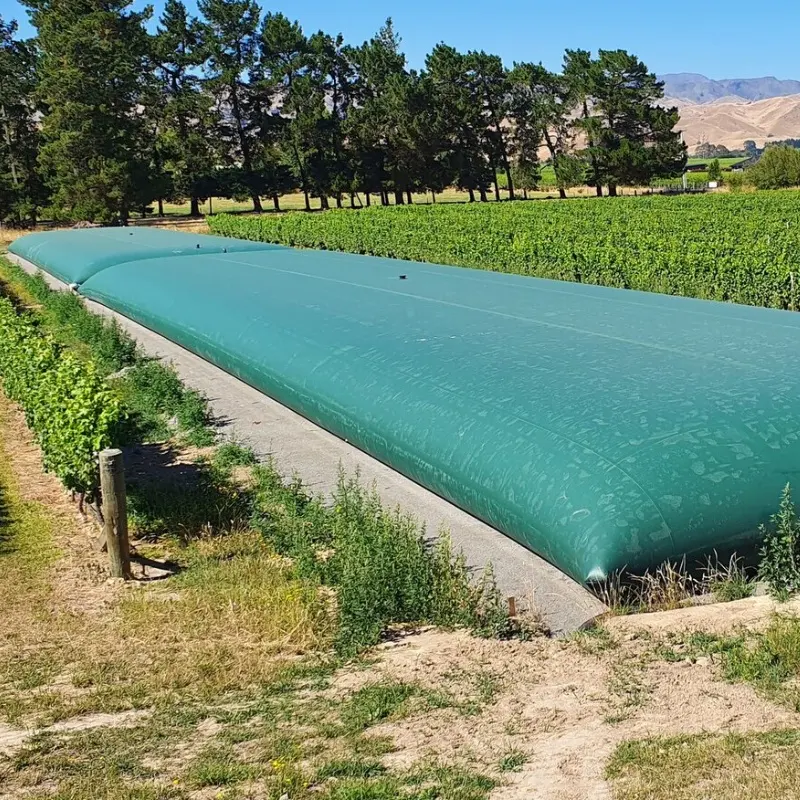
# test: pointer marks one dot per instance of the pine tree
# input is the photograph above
(379, 123)
(541, 104)
(284, 61)
(21, 189)
(634, 139)
(186, 119)
(230, 49)
(579, 74)
(491, 90)
(93, 70)
(453, 94)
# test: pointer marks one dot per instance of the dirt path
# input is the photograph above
(560, 706)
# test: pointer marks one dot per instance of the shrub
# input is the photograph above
(778, 168)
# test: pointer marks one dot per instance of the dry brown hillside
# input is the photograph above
(731, 122)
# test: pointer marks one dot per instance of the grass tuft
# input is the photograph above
(512, 761)
(374, 704)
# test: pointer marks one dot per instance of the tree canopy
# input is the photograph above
(103, 114)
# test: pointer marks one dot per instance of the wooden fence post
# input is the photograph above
(115, 512)
(512, 607)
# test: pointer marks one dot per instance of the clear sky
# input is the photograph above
(732, 39)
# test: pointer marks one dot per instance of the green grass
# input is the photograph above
(374, 704)
(725, 163)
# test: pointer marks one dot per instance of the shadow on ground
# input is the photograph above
(179, 493)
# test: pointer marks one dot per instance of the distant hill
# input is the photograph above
(690, 87)
(731, 123)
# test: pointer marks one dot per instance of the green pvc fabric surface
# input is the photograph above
(75, 255)
(600, 428)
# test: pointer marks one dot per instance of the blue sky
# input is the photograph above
(732, 39)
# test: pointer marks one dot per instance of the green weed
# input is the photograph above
(780, 554)
(512, 761)
(379, 561)
(232, 454)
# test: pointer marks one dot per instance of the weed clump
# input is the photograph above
(379, 561)
(780, 553)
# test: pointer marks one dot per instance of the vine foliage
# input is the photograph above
(72, 412)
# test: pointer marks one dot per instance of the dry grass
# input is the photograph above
(757, 766)
(296, 202)
(234, 618)
(673, 585)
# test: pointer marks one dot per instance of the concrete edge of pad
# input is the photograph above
(300, 447)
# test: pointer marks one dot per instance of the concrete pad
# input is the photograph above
(301, 447)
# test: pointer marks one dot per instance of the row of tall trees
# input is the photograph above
(101, 116)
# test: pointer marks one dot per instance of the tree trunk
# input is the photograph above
(276, 202)
(496, 187)
(484, 198)
(308, 201)
(160, 206)
(194, 207)
(510, 180)
(339, 201)
(11, 159)
(323, 202)
(592, 156)
(612, 189)
(525, 193)
(433, 196)
(408, 197)
(247, 162)
(562, 192)
(398, 198)
(384, 197)
(368, 200)
(503, 153)
(471, 195)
